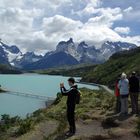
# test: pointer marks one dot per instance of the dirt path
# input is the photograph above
(89, 128)
(93, 130)
(106, 88)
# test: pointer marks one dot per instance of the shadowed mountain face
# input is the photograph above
(3, 58)
(54, 60)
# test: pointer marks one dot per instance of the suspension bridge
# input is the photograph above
(30, 95)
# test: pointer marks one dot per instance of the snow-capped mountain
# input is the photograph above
(88, 53)
(73, 53)
(109, 48)
(9, 53)
(84, 53)
(12, 55)
(81, 52)
(67, 47)
(25, 59)
(56, 59)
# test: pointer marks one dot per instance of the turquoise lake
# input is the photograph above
(44, 85)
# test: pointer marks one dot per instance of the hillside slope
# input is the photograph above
(95, 120)
(126, 61)
(75, 71)
(107, 73)
(6, 69)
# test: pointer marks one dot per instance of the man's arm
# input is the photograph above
(64, 91)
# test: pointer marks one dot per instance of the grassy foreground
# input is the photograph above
(94, 120)
(93, 105)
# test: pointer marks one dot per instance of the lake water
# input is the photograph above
(29, 83)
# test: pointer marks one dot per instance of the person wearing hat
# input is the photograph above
(134, 92)
(124, 92)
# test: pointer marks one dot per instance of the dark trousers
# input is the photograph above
(124, 104)
(71, 117)
(118, 104)
(134, 102)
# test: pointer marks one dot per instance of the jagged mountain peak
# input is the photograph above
(70, 40)
(30, 54)
(83, 44)
(66, 46)
(74, 52)
(66, 42)
(13, 49)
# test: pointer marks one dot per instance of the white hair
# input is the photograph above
(123, 76)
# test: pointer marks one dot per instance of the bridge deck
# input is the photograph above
(46, 98)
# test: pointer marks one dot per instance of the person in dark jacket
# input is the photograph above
(134, 92)
(71, 102)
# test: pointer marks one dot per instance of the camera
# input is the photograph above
(61, 84)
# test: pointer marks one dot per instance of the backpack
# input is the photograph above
(78, 96)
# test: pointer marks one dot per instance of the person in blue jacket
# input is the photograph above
(124, 92)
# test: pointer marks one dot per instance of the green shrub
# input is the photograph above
(7, 122)
(58, 98)
(25, 126)
(137, 129)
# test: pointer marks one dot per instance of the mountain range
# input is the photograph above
(66, 53)
(106, 73)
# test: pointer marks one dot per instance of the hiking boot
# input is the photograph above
(123, 114)
(126, 113)
(132, 112)
(69, 134)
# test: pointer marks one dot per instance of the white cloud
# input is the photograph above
(129, 9)
(122, 30)
(133, 16)
(90, 7)
(59, 23)
(132, 39)
(106, 16)
(59, 27)
(8, 3)
(38, 25)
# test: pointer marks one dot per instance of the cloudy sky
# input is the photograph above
(38, 25)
